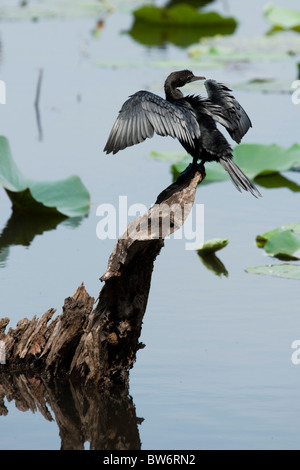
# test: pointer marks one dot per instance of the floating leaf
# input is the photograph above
(213, 245)
(282, 18)
(181, 15)
(221, 50)
(284, 245)
(265, 85)
(194, 3)
(180, 24)
(261, 240)
(289, 271)
(206, 253)
(254, 159)
(174, 157)
(68, 197)
(35, 9)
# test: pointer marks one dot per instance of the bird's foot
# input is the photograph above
(199, 167)
(185, 172)
(202, 169)
(192, 167)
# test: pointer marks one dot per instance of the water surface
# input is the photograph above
(216, 372)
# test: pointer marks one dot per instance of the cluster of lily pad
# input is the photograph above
(182, 24)
(67, 197)
(259, 162)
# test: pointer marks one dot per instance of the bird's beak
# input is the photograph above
(197, 78)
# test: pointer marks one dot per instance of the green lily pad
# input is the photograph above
(35, 9)
(68, 197)
(284, 245)
(174, 157)
(281, 17)
(288, 271)
(217, 51)
(213, 245)
(206, 253)
(254, 159)
(221, 50)
(265, 85)
(261, 240)
(193, 3)
(282, 242)
(180, 24)
(181, 15)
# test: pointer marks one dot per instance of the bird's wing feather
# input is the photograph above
(227, 110)
(145, 113)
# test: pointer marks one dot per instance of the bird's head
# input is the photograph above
(181, 78)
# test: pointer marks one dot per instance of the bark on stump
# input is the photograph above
(98, 345)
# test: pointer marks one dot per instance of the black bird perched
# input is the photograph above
(191, 119)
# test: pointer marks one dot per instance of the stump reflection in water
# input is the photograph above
(106, 420)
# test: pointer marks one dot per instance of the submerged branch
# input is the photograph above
(37, 103)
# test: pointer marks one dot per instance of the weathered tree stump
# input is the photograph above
(98, 345)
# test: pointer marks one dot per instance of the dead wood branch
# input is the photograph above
(99, 345)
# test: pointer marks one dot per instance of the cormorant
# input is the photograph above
(191, 119)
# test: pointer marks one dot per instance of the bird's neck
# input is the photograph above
(172, 93)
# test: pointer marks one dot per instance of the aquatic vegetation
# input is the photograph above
(68, 197)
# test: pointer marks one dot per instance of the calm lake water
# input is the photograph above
(216, 372)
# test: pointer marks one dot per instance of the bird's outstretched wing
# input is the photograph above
(145, 113)
(227, 110)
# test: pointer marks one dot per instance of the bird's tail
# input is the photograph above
(238, 178)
